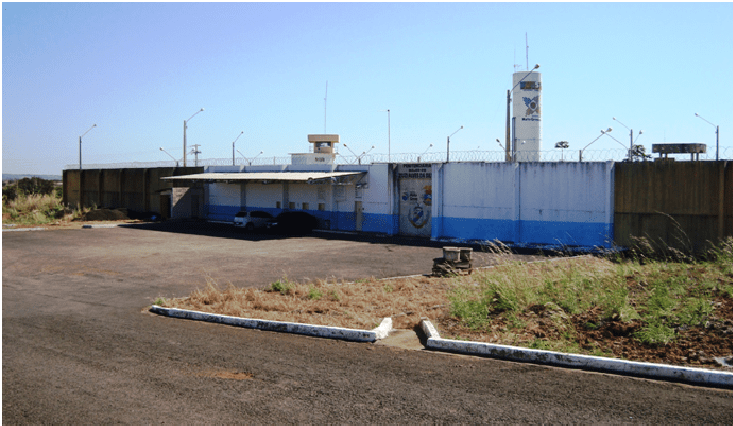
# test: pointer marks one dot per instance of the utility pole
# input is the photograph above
(196, 153)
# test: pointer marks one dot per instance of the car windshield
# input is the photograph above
(241, 214)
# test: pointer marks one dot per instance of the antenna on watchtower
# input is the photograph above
(325, 106)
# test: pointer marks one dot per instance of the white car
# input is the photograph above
(252, 220)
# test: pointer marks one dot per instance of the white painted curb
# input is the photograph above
(612, 365)
(289, 327)
(24, 229)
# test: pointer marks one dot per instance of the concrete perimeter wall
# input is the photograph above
(685, 205)
(524, 203)
(682, 205)
(335, 206)
(132, 188)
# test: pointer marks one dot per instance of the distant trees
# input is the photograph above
(28, 186)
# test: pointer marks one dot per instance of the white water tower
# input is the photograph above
(526, 123)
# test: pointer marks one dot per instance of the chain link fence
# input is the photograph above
(556, 155)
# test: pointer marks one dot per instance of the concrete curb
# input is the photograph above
(24, 229)
(611, 365)
(104, 225)
(289, 327)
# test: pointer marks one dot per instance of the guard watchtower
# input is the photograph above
(323, 151)
(323, 144)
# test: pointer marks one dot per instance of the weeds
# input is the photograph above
(283, 285)
(37, 209)
(551, 305)
(328, 302)
(315, 294)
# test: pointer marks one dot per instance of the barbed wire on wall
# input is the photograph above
(556, 155)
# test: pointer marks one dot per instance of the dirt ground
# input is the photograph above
(698, 347)
(79, 345)
(362, 304)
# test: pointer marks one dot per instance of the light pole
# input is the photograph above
(603, 132)
(249, 161)
(631, 139)
(717, 135)
(562, 145)
(365, 153)
(184, 135)
(174, 158)
(620, 143)
(389, 135)
(508, 146)
(352, 152)
(235, 140)
(93, 126)
(447, 156)
(419, 158)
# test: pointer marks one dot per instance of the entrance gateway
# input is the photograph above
(416, 199)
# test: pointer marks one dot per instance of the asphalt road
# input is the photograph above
(79, 345)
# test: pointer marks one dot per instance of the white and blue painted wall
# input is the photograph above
(569, 204)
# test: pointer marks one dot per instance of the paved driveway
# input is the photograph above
(80, 347)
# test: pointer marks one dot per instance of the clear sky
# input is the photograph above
(138, 70)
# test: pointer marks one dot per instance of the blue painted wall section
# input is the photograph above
(563, 204)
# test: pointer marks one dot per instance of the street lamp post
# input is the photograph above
(717, 135)
(603, 132)
(631, 153)
(389, 135)
(235, 140)
(249, 161)
(365, 153)
(174, 158)
(184, 135)
(352, 152)
(447, 156)
(419, 158)
(93, 126)
(631, 139)
(562, 145)
(507, 142)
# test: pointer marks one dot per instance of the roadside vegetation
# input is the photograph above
(641, 307)
(35, 201)
(360, 305)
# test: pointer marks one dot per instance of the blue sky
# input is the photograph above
(138, 70)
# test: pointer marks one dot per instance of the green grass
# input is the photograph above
(283, 285)
(315, 294)
(661, 295)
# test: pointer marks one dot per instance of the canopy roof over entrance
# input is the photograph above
(268, 176)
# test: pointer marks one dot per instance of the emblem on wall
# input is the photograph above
(419, 215)
(533, 105)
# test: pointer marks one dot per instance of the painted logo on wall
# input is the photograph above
(417, 214)
(533, 105)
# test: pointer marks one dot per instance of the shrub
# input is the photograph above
(283, 285)
(35, 186)
(315, 294)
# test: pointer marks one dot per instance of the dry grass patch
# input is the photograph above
(361, 304)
